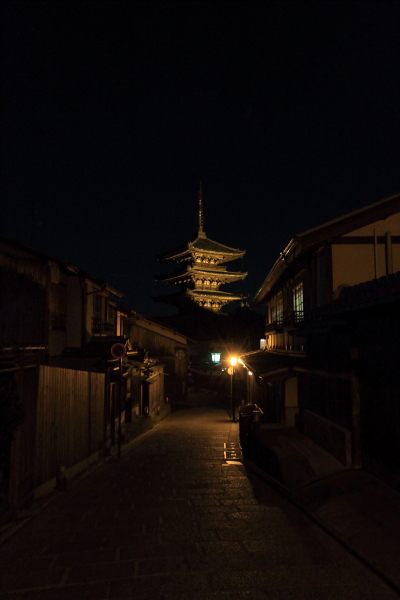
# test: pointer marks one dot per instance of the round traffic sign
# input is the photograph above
(118, 350)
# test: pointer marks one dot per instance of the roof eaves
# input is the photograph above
(61, 263)
(103, 284)
(201, 237)
(315, 236)
(292, 250)
(353, 220)
(215, 294)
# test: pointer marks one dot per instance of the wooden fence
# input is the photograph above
(69, 419)
(63, 425)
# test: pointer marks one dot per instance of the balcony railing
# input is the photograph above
(292, 319)
(100, 327)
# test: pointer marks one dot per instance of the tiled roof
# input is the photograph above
(204, 243)
(310, 239)
(382, 208)
(215, 293)
(201, 270)
(364, 295)
(263, 362)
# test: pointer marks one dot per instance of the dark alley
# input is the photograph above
(173, 520)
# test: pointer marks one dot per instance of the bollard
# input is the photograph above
(107, 447)
(257, 419)
(246, 417)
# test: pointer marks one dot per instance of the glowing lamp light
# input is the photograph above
(233, 361)
(250, 373)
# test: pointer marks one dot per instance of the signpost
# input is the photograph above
(119, 351)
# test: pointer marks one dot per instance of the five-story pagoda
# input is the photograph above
(202, 272)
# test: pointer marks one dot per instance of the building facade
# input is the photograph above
(58, 325)
(305, 376)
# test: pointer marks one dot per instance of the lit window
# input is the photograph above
(276, 311)
(298, 305)
(279, 310)
(216, 357)
(272, 313)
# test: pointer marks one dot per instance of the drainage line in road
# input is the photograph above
(274, 484)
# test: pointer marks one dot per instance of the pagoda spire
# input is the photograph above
(200, 200)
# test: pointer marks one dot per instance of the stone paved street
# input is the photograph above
(172, 521)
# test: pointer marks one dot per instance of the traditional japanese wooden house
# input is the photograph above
(57, 328)
(304, 376)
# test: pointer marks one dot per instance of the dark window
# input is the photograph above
(97, 306)
(320, 276)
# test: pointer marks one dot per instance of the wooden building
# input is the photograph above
(169, 347)
(357, 333)
(50, 305)
(293, 378)
(57, 327)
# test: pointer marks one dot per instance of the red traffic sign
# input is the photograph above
(118, 350)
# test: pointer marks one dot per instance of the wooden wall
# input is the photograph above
(157, 344)
(22, 458)
(69, 420)
(156, 393)
(162, 347)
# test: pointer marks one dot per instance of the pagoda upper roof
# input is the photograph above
(203, 244)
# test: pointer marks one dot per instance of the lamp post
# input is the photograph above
(249, 373)
(231, 370)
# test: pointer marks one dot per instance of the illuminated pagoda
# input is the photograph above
(202, 270)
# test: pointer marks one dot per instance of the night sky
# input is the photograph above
(113, 111)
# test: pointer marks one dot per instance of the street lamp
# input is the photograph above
(250, 374)
(231, 371)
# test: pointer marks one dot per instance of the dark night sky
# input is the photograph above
(112, 112)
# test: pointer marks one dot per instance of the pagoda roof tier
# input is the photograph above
(190, 272)
(193, 295)
(202, 244)
(215, 294)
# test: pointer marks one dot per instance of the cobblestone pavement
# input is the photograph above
(171, 520)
